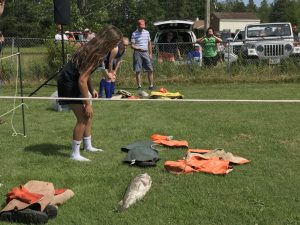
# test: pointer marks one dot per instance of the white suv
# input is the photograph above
(269, 42)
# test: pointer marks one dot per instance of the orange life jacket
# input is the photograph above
(155, 137)
(207, 161)
(167, 141)
(197, 164)
(21, 193)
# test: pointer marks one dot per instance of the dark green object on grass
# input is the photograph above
(141, 153)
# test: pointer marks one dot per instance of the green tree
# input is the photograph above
(264, 11)
(82, 6)
(251, 7)
(239, 6)
(27, 18)
(285, 11)
(232, 6)
(278, 11)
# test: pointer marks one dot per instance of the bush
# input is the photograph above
(54, 55)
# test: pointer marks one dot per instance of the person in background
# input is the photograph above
(70, 36)
(72, 40)
(295, 33)
(111, 65)
(87, 35)
(2, 3)
(142, 55)
(57, 36)
(74, 81)
(168, 49)
(195, 56)
(220, 49)
(209, 47)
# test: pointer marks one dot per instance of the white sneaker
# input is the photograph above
(92, 149)
(79, 158)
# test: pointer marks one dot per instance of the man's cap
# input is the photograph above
(141, 23)
(196, 45)
(67, 32)
(86, 30)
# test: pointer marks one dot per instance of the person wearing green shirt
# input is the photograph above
(209, 47)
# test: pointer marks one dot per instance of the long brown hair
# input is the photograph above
(95, 50)
(210, 28)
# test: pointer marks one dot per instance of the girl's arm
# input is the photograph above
(113, 54)
(200, 40)
(110, 72)
(91, 88)
(119, 62)
(218, 39)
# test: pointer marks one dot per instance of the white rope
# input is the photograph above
(13, 109)
(15, 133)
(9, 56)
(158, 100)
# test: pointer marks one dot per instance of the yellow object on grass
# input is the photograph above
(171, 95)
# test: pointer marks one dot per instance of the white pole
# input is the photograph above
(207, 14)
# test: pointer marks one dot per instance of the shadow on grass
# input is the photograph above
(47, 149)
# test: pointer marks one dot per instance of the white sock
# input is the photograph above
(87, 145)
(75, 155)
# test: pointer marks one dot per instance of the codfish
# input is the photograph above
(135, 191)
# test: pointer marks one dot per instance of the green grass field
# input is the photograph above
(263, 192)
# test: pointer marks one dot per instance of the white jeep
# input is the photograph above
(269, 42)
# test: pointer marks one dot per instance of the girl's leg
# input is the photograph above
(112, 87)
(78, 131)
(87, 138)
(108, 88)
(102, 86)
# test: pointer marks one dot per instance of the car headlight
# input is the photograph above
(288, 47)
(260, 48)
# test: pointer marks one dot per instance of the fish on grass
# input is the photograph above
(135, 191)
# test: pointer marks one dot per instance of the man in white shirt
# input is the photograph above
(57, 36)
(87, 35)
(142, 56)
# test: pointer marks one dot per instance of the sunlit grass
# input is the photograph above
(265, 191)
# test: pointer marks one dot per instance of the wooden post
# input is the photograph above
(207, 15)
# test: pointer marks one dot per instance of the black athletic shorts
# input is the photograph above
(67, 85)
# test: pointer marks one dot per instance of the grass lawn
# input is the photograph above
(263, 192)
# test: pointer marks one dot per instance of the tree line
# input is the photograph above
(35, 18)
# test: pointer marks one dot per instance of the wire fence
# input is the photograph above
(229, 53)
(170, 60)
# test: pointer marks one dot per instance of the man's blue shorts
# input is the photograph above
(141, 61)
